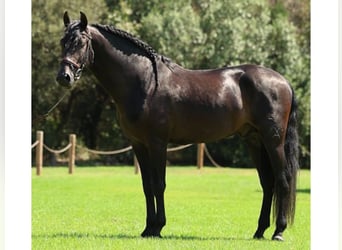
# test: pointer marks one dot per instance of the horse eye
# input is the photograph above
(62, 43)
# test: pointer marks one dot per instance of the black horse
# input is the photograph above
(158, 102)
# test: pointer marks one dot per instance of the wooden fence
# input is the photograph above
(71, 148)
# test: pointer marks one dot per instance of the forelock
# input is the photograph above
(72, 36)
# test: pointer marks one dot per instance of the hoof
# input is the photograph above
(150, 234)
(278, 238)
(258, 237)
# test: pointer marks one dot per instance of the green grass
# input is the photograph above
(104, 208)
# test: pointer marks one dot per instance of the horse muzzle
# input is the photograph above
(69, 72)
(65, 79)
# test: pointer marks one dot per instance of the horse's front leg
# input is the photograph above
(157, 151)
(152, 162)
(142, 155)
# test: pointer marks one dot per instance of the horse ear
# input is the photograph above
(84, 21)
(66, 19)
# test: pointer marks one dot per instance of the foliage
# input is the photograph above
(178, 25)
(104, 208)
(194, 34)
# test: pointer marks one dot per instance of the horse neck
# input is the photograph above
(121, 71)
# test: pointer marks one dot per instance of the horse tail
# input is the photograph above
(291, 148)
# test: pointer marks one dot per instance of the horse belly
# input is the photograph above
(198, 125)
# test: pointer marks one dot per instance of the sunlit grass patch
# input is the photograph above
(104, 208)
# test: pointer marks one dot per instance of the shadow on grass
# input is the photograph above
(76, 235)
(205, 238)
(299, 190)
(304, 190)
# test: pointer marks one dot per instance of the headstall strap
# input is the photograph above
(87, 35)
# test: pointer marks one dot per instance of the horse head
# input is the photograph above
(77, 50)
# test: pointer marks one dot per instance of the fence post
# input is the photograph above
(39, 152)
(72, 152)
(200, 155)
(136, 164)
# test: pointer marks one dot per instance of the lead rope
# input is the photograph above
(42, 117)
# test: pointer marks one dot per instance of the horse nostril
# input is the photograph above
(67, 77)
(64, 79)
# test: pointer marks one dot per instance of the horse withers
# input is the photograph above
(158, 102)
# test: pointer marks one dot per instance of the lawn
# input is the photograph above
(104, 208)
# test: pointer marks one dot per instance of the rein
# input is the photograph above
(44, 116)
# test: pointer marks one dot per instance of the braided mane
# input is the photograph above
(151, 53)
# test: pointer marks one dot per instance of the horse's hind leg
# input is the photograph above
(282, 190)
(283, 208)
(262, 162)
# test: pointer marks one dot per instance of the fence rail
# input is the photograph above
(71, 148)
(114, 152)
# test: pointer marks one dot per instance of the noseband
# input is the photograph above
(75, 67)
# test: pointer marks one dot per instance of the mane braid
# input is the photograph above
(151, 53)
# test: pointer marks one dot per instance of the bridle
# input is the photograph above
(77, 68)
